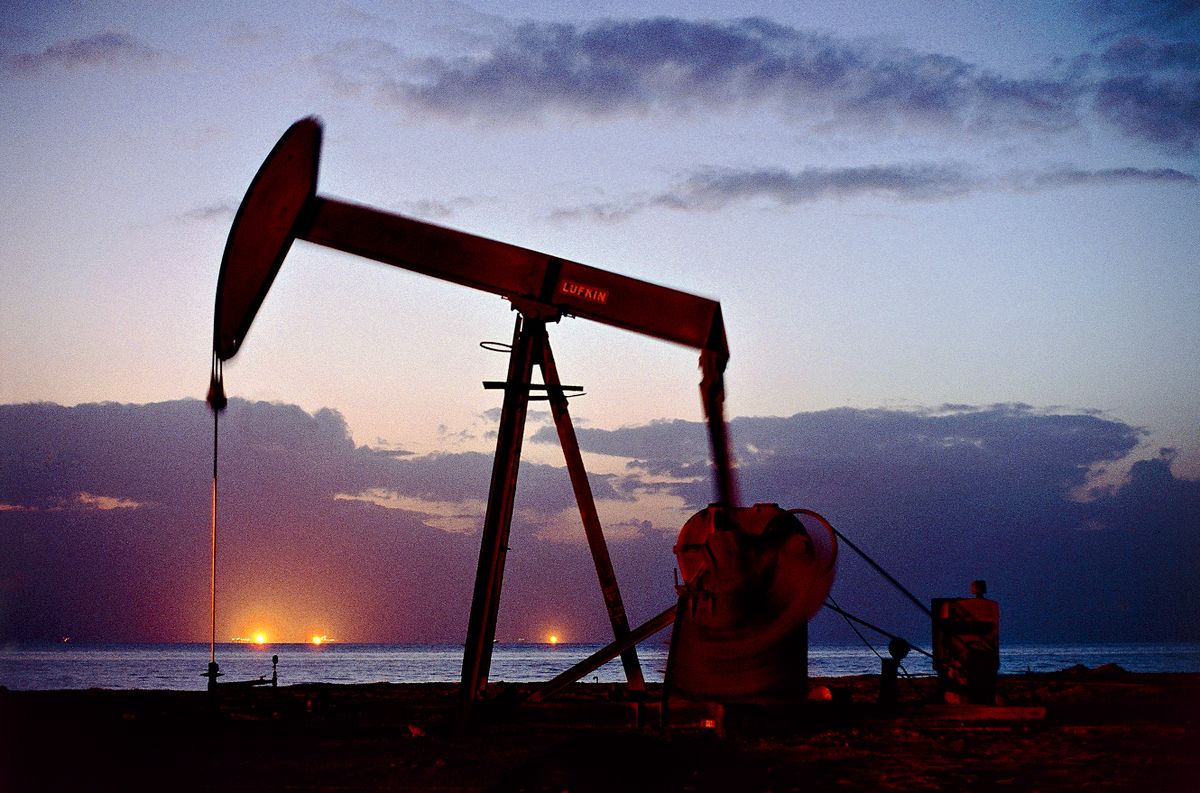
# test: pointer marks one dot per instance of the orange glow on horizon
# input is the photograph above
(552, 638)
(281, 622)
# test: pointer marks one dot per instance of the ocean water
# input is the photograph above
(180, 666)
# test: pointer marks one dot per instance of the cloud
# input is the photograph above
(221, 210)
(438, 209)
(1162, 111)
(105, 503)
(716, 188)
(1141, 85)
(384, 546)
(462, 517)
(381, 559)
(997, 436)
(946, 495)
(1137, 53)
(1152, 91)
(620, 67)
(111, 48)
(1076, 177)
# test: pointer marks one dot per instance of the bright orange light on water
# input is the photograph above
(260, 638)
(318, 639)
(552, 638)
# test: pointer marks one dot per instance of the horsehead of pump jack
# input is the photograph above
(282, 205)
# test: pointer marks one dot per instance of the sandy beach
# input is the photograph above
(1075, 730)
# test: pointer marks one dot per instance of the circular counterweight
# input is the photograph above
(753, 577)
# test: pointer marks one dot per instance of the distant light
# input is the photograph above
(318, 639)
(260, 638)
(553, 639)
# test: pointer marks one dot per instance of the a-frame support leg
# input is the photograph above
(493, 548)
(531, 346)
(591, 520)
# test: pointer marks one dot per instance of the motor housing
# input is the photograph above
(966, 647)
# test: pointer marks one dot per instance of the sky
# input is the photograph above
(955, 246)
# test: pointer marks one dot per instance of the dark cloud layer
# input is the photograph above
(633, 66)
(1151, 89)
(1162, 111)
(104, 515)
(941, 497)
(1143, 84)
(69, 566)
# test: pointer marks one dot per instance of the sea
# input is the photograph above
(74, 665)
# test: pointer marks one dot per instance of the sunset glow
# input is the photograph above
(905, 169)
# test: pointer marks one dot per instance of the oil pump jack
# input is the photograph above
(752, 576)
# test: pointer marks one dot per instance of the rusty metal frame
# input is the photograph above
(531, 347)
(591, 520)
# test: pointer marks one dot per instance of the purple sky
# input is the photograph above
(954, 242)
(109, 540)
